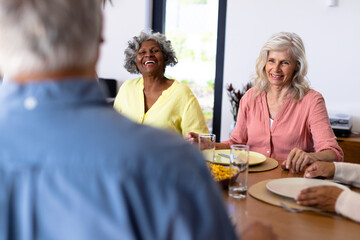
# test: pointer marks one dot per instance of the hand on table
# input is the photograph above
(297, 160)
(320, 169)
(258, 231)
(322, 197)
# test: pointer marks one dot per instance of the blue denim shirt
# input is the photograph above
(73, 168)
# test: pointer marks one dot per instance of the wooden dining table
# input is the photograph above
(287, 225)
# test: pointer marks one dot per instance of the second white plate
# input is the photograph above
(290, 187)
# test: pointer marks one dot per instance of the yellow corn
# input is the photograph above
(220, 172)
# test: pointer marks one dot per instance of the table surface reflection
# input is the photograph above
(287, 225)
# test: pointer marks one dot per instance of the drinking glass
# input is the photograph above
(207, 146)
(239, 166)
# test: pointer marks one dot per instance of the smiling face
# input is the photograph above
(150, 59)
(280, 68)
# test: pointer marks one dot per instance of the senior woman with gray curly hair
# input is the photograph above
(281, 117)
(154, 99)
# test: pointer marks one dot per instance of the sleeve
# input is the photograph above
(348, 205)
(348, 173)
(118, 98)
(193, 119)
(322, 134)
(240, 132)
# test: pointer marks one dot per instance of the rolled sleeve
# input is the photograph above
(323, 135)
(193, 118)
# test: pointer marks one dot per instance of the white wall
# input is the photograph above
(122, 20)
(332, 41)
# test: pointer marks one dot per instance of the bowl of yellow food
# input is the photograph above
(221, 174)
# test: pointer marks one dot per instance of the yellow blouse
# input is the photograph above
(177, 109)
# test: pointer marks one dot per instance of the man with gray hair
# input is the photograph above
(70, 166)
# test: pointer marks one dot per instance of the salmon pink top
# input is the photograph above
(302, 124)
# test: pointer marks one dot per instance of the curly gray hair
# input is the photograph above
(134, 45)
(294, 45)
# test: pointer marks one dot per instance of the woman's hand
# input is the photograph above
(192, 138)
(320, 169)
(322, 197)
(297, 160)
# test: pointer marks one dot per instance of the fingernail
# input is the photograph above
(307, 175)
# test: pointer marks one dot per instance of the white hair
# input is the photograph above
(48, 35)
(295, 46)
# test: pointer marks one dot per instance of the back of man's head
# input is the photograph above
(48, 35)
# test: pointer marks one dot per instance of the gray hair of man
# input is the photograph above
(134, 45)
(294, 45)
(48, 35)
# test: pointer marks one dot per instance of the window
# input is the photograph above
(196, 29)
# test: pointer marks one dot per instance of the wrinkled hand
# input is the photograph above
(258, 231)
(297, 160)
(192, 138)
(322, 197)
(320, 169)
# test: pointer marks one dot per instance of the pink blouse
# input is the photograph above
(304, 125)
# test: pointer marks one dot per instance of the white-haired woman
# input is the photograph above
(154, 99)
(281, 117)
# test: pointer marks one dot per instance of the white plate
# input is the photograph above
(254, 157)
(290, 187)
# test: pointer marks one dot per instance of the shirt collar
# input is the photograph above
(49, 93)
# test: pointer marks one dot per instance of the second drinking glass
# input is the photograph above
(207, 146)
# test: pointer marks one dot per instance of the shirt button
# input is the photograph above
(267, 151)
(30, 103)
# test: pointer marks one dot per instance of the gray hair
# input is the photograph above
(48, 35)
(294, 45)
(134, 45)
